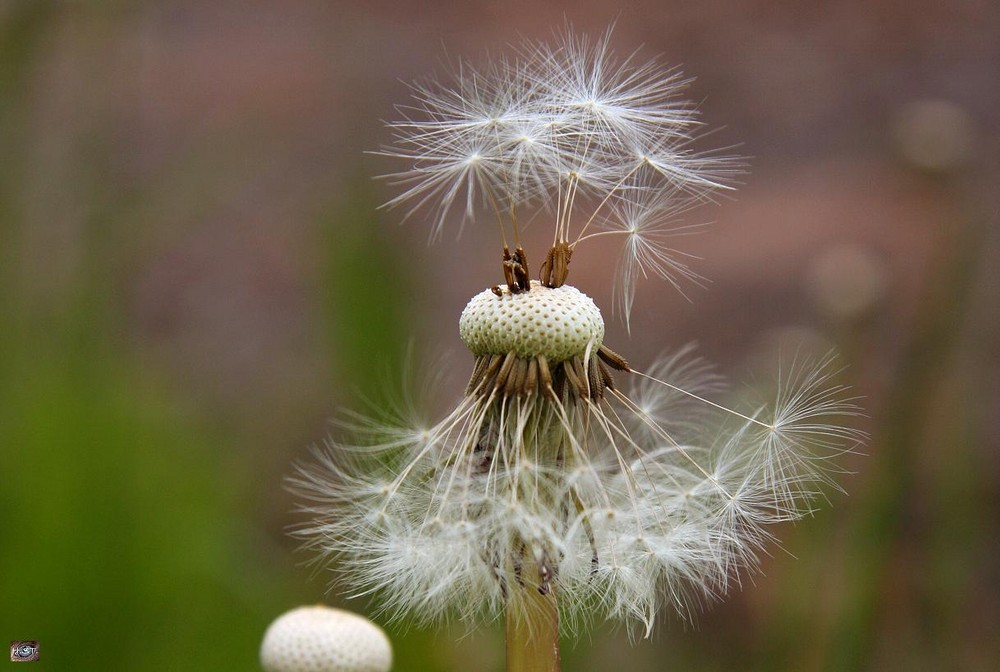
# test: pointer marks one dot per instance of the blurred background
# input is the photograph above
(194, 277)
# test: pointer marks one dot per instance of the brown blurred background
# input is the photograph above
(194, 276)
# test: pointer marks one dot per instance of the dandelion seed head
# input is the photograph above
(563, 471)
(555, 322)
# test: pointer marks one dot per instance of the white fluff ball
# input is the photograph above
(323, 639)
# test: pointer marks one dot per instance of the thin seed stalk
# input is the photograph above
(532, 627)
(532, 615)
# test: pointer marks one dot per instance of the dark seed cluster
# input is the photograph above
(509, 376)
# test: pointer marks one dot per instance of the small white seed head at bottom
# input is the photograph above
(323, 639)
(557, 322)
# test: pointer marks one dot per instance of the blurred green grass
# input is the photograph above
(124, 542)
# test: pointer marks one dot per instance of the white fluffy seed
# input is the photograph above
(323, 639)
(558, 322)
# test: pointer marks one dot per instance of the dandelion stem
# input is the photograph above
(532, 628)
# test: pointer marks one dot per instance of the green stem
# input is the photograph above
(532, 622)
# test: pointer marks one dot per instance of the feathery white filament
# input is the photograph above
(568, 129)
(629, 501)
